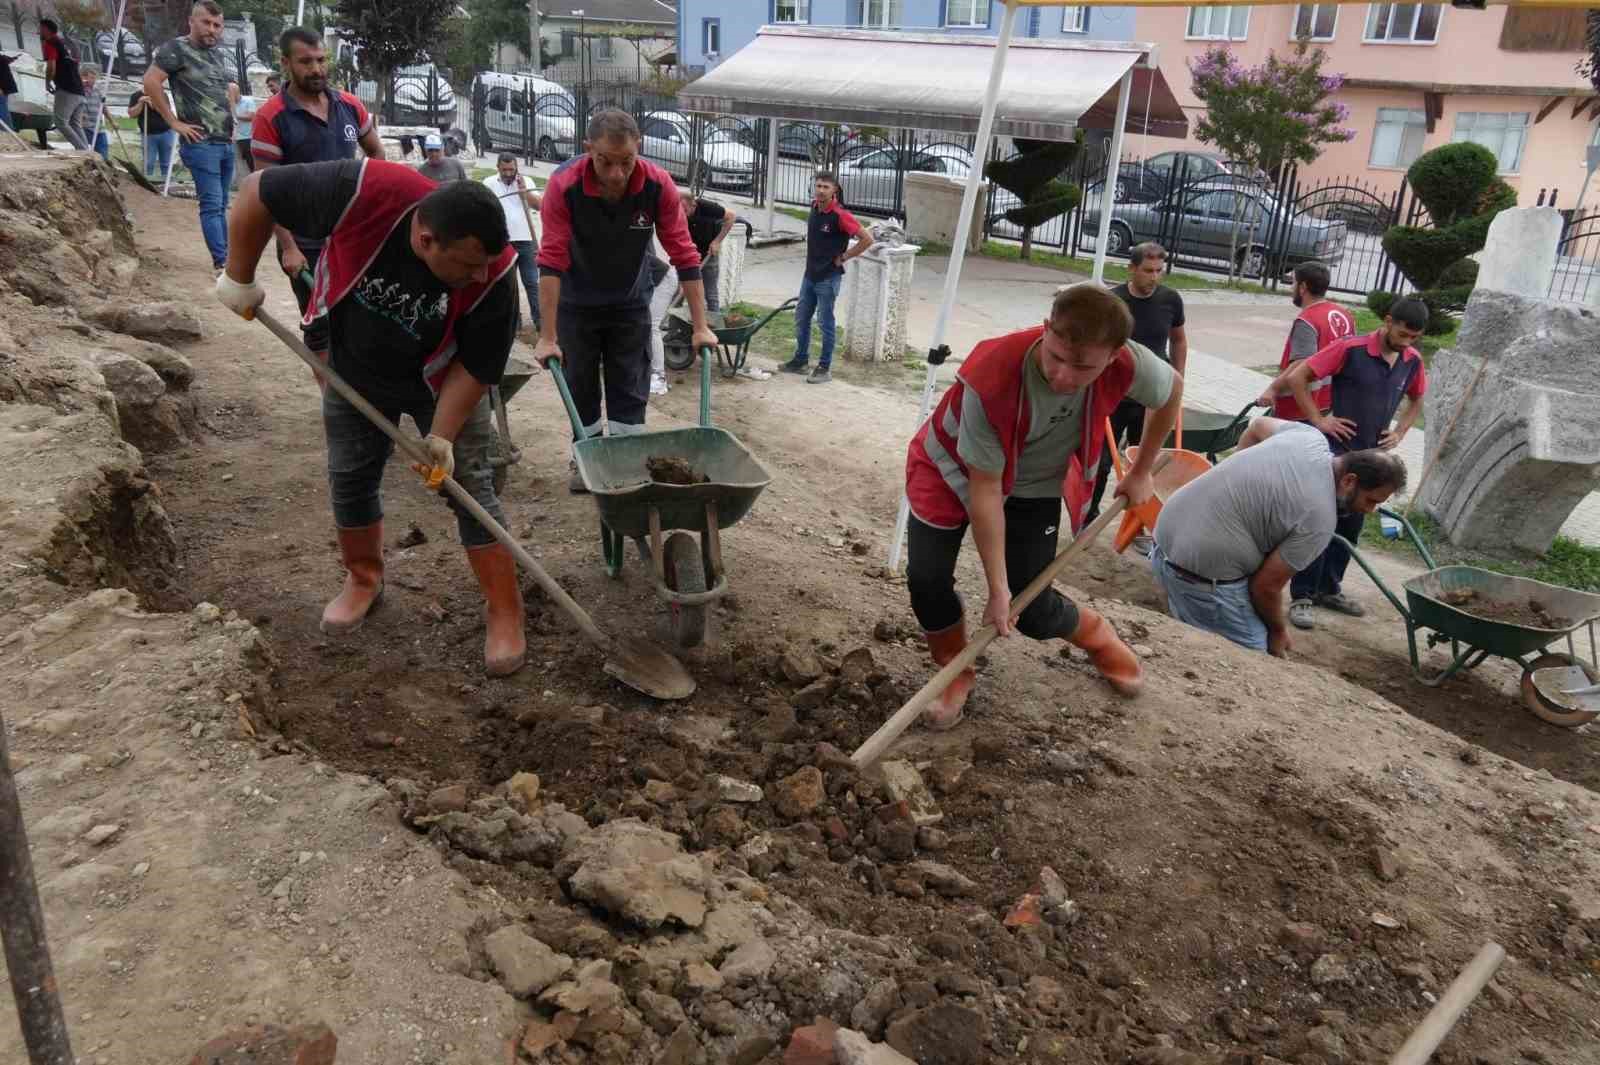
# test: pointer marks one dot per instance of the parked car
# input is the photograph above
(870, 179)
(668, 140)
(1194, 167)
(422, 97)
(1202, 226)
(1136, 183)
(504, 124)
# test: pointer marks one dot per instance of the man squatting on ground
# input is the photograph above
(419, 287)
(598, 214)
(1370, 375)
(1022, 428)
(1230, 540)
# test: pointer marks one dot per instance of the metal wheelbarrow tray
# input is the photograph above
(1548, 677)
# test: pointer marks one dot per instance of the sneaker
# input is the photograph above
(575, 483)
(793, 366)
(754, 373)
(820, 376)
(1342, 604)
(658, 384)
(1300, 614)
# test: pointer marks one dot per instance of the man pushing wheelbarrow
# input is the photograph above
(1021, 429)
(418, 287)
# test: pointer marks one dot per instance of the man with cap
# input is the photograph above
(435, 166)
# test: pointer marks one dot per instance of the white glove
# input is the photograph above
(441, 458)
(242, 298)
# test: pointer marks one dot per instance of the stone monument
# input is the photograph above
(1513, 410)
(877, 298)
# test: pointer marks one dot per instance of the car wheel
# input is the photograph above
(546, 149)
(1119, 240)
(1122, 191)
(1253, 261)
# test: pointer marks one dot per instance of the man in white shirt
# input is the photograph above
(519, 200)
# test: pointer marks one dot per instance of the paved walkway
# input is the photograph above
(997, 296)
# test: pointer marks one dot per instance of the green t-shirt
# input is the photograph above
(1055, 424)
(200, 80)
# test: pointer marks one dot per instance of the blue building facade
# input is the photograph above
(710, 30)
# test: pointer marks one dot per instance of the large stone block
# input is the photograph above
(1525, 449)
(933, 209)
(1520, 254)
(877, 297)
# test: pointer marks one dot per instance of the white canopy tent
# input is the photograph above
(1044, 90)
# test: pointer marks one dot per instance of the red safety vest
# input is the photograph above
(935, 475)
(1332, 322)
(384, 193)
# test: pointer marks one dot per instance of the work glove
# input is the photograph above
(441, 458)
(242, 298)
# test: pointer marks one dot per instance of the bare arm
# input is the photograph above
(250, 226)
(1296, 380)
(987, 510)
(371, 143)
(1178, 348)
(1259, 430)
(1137, 486)
(1266, 595)
(155, 91)
(728, 219)
(1410, 411)
(233, 94)
(458, 396)
(863, 242)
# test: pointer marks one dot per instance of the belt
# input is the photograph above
(1195, 578)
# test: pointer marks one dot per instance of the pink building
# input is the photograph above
(1417, 76)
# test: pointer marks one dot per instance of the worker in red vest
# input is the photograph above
(416, 280)
(1319, 323)
(1020, 430)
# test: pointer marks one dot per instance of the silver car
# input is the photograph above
(668, 137)
(1201, 225)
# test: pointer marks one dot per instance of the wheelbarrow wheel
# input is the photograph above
(677, 358)
(1545, 705)
(686, 574)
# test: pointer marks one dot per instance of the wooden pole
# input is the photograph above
(891, 729)
(1417, 1049)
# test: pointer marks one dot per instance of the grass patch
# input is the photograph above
(1568, 563)
(776, 341)
(1427, 346)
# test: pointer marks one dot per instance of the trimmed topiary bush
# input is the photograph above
(1379, 302)
(1034, 177)
(1458, 186)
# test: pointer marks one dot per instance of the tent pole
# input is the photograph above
(958, 250)
(1108, 187)
(772, 175)
(116, 34)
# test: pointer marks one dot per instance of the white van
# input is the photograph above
(524, 114)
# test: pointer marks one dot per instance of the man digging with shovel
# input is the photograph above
(1022, 428)
(417, 283)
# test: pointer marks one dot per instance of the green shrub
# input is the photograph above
(1451, 180)
(1460, 272)
(1379, 302)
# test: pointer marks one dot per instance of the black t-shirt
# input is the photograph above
(8, 83)
(1154, 316)
(393, 319)
(705, 223)
(150, 119)
(67, 78)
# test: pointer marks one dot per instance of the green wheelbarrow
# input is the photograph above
(1209, 432)
(733, 340)
(687, 572)
(1466, 607)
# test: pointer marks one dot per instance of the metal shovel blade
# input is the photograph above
(648, 669)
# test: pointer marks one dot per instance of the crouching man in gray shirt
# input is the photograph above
(1228, 542)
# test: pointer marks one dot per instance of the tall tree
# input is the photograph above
(1269, 116)
(390, 34)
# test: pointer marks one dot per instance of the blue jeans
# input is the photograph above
(211, 163)
(528, 268)
(102, 145)
(1225, 609)
(1325, 576)
(5, 110)
(815, 296)
(158, 150)
(358, 451)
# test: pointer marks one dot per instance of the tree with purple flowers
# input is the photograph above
(1270, 116)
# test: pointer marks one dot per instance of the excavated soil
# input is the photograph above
(1266, 861)
(1530, 614)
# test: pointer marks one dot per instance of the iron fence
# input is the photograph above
(1577, 258)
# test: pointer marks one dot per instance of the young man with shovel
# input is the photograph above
(1020, 430)
(417, 281)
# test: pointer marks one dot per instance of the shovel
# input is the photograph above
(870, 751)
(645, 668)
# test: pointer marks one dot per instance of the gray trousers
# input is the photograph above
(66, 112)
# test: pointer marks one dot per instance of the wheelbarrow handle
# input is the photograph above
(560, 378)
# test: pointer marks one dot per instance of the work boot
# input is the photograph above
(796, 366)
(947, 711)
(505, 646)
(1114, 659)
(362, 552)
(1341, 603)
(1300, 614)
